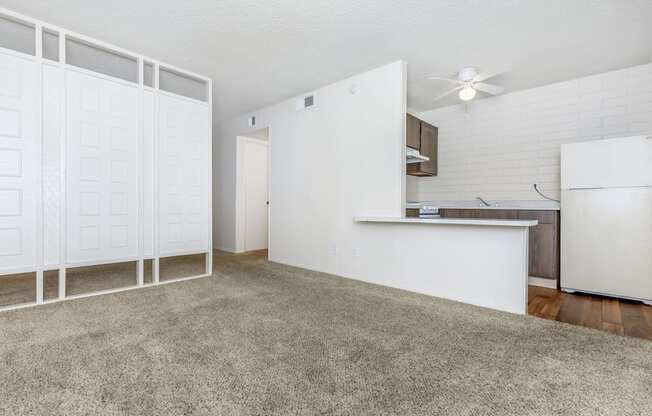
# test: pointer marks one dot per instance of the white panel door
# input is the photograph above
(18, 162)
(102, 169)
(183, 176)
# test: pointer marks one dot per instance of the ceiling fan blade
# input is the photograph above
(491, 73)
(445, 79)
(488, 88)
(439, 97)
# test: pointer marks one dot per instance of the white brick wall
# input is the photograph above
(503, 145)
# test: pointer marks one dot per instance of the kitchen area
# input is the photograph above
(589, 250)
(472, 256)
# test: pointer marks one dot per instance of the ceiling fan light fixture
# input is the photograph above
(467, 93)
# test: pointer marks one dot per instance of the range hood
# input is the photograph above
(413, 156)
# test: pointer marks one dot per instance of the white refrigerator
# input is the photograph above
(606, 217)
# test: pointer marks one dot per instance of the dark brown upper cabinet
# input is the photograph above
(423, 137)
(413, 132)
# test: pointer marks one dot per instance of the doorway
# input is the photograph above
(252, 191)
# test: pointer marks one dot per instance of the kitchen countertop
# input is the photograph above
(508, 205)
(450, 221)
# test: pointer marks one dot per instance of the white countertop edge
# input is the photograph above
(506, 208)
(450, 221)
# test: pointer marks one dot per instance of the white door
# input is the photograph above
(18, 162)
(102, 168)
(255, 194)
(183, 158)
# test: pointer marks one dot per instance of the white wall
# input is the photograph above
(412, 188)
(507, 143)
(345, 158)
(342, 158)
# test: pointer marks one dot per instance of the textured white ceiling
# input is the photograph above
(259, 52)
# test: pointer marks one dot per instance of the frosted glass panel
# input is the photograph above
(182, 84)
(148, 74)
(101, 60)
(17, 35)
(50, 45)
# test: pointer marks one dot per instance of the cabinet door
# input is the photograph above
(429, 148)
(544, 243)
(412, 212)
(413, 132)
(459, 213)
(496, 214)
(542, 254)
(455, 213)
(449, 213)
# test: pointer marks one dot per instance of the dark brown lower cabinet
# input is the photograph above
(544, 238)
(412, 212)
(542, 251)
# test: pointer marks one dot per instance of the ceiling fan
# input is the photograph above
(469, 81)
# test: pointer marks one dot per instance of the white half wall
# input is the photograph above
(339, 159)
(503, 145)
(484, 265)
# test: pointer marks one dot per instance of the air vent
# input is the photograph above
(307, 101)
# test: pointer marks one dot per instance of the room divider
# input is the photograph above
(105, 158)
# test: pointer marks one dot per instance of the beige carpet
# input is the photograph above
(260, 339)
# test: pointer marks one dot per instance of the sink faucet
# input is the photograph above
(485, 203)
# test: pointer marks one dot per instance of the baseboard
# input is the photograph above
(541, 282)
(228, 250)
(254, 252)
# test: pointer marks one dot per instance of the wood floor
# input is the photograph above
(607, 314)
